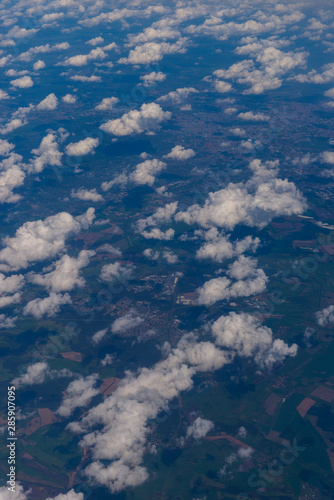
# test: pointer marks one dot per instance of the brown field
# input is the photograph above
(109, 385)
(73, 356)
(271, 402)
(275, 437)
(324, 393)
(304, 406)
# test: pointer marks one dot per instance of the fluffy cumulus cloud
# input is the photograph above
(70, 495)
(253, 117)
(116, 272)
(152, 78)
(95, 41)
(124, 323)
(39, 240)
(48, 104)
(63, 275)
(86, 195)
(37, 374)
(86, 79)
(252, 203)
(10, 289)
(84, 59)
(39, 65)
(50, 306)
(249, 280)
(107, 104)
(69, 99)
(146, 172)
(180, 153)
(199, 428)
(244, 334)
(17, 120)
(19, 494)
(153, 52)
(98, 336)
(46, 154)
(162, 216)
(147, 119)
(218, 247)
(22, 83)
(78, 394)
(265, 72)
(11, 174)
(178, 96)
(326, 316)
(83, 147)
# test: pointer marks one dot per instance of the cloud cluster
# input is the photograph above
(147, 119)
(41, 239)
(253, 203)
(50, 306)
(249, 281)
(152, 78)
(162, 216)
(244, 334)
(180, 153)
(218, 246)
(38, 373)
(325, 316)
(107, 104)
(78, 394)
(153, 52)
(48, 104)
(124, 323)
(63, 275)
(146, 172)
(116, 271)
(84, 59)
(199, 428)
(83, 147)
(46, 154)
(86, 195)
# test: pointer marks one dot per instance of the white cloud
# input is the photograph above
(11, 174)
(330, 93)
(63, 275)
(48, 104)
(3, 95)
(152, 78)
(157, 234)
(254, 117)
(78, 394)
(7, 323)
(178, 96)
(180, 153)
(5, 494)
(218, 247)
(124, 323)
(95, 41)
(39, 65)
(23, 83)
(38, 240)
(146, 172)
(107, 104)
(222, 87)
(98, 336)
(86, 195)
(153, 52)
(37, 374)
(83, 147)
(116, 271)
(119, 180)
(249, 281)
(46, 154)
(244, 334)
(199, 428)
(147, 119)
(69, 99)
(86, 79)
(50, 306)
(84, 59)
(70, 495)
(254, 203)
(325, 316)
